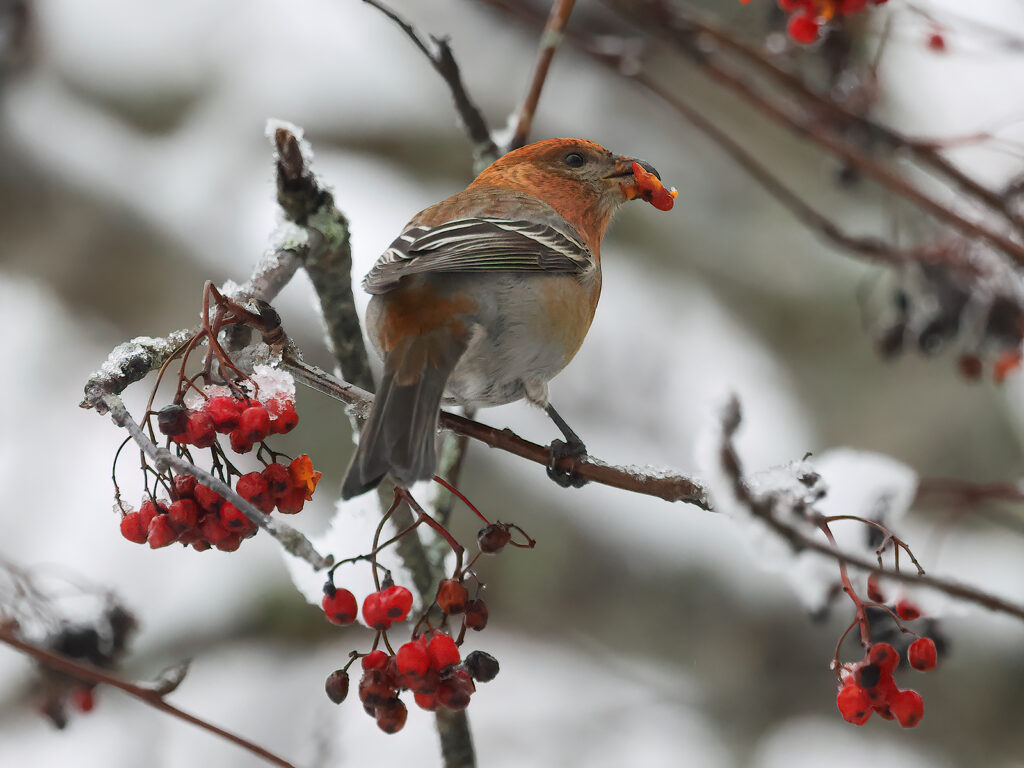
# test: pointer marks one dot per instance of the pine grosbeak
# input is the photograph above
(485, 296)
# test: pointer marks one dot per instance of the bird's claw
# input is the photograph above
(563, 450)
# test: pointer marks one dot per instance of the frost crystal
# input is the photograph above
(270, 384)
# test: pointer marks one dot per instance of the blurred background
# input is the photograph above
(134, 166)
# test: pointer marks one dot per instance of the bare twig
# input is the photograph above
(290, 539)
(670, 487)
(763, 508)
(485, 151)
(148, 695)
(549, 40)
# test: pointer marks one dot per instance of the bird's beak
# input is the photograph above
(645, 184)
(623, 168)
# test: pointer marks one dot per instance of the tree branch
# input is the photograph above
(763, 507)
(485, 151)
(154, 697)
(549, 40)
(667, 486)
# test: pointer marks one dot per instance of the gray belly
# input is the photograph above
(507, 359)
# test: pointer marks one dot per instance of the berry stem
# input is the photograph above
(858, 604)
(441, 481)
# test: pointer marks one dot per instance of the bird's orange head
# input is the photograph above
(584, 182)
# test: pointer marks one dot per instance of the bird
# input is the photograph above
(485, 296)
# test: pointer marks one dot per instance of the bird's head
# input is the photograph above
(580, 179)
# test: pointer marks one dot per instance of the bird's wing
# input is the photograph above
(478, 245)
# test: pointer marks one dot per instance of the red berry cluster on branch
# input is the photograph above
(808, 17)
(869, 687)
(201, 517)
(430, 664)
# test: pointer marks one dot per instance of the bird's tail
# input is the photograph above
(399, 435)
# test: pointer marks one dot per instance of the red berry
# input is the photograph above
(936, 42)
(207, 499)
(413, 659)
(452, 596)
(396, 602)
(337, 686)
(443, 652)
(184, 486)
(374, 689)
(211, 530)
(232, 518)
(292, 502)
(373, 612)
(161, 532)
(133, 529)
(454, 693)
(253, 488)
(803, 28)
(199, 430)
(391, 715)
(884, 656)
(225, 412)
(83, 699)
(854, 704)
(240, 443)
(230, 543)
(427, 701)
(147, 512)
(922, 654)
(279, 480)
(340, 606)
(908, 610)
(183, 513)
(476, 614)
(254, 423)
(376, 659)
(200, 544)
(908, 708)
(303, 475)
(285, 417)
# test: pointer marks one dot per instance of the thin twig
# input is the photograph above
(549, 40)
(763, 508)
(148, 695)
(485, 151)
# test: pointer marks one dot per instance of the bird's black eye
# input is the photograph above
(575, 160)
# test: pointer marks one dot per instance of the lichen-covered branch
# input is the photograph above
(328, 259)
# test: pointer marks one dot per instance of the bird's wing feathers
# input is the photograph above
(478, 245)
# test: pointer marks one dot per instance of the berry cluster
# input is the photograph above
(430, 664)
(244, 420)
(199, 516)
(868, 686)
(808, 17)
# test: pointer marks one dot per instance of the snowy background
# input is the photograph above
(133, 166)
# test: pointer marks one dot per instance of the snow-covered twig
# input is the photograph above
(763, 507)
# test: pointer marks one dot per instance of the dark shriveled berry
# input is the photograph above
(481, 666)
(391, 715)
(476, 614)
(868, 675)
(337, 686)
(493, 538)
(171, 420)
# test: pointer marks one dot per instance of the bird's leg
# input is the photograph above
(572, 447)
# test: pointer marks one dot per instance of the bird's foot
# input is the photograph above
(560, 451)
